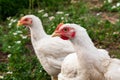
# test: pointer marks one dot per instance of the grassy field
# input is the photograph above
(17, 58)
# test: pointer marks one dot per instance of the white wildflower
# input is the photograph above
(9, 55)
(39, 11)
(116, 32)
(113, 7)
(105, 1)
(15, 34)
(118, 4)
(17, 42)
(109, 1)
(99, 13)
(8, 18)
(100, 22)
(15, 20)
(12, 20)
(45, 15)
(51, 18)
(23, 37)
(100, 46)
(66, 14)
(59, 12)
(62, 18)
(19, 32)
(1, 77)
(9, 72)
(10, 24)
(9, 46)
(40, 70)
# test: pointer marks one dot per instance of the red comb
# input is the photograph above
(59, 25)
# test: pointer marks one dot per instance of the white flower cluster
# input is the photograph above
(59, 12)
(9, 72)
(1, 77)
(18, 42)
(11, 21)
(116, 6)
(18, 32)
(42, 11)
(108, 1)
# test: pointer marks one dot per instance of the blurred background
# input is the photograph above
(101, 18)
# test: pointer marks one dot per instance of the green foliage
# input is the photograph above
(111, 5)
(10, 8)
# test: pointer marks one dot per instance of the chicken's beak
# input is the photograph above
(55, 34)
(19, 23)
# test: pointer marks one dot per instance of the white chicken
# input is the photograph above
(50, 51)
(92, 64)
(70, 68)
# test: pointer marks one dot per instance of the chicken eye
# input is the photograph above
(66, 29)
(26, 19)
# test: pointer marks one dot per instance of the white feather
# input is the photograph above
(70, 69)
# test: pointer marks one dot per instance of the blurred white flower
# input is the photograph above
(100, 22)
(12, 20)
(17, 42)
(62, 18)
(116, 32)
(9, 46)
(100, 46)
(39, 11)
(113, 7)
(23, 37)
(51, 18)
(15, 34)
(104, 1)
(15, 20)
(19, 31)
(1, 77)
(40, 70)
(109, 1)
(10, 24)
(59, 12)
(45, 15)
(9, 55)
(99, 13)
(8, 18)
(66, 14)
(118, 4)
(9, 72)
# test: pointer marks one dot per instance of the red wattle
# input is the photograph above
(64, 37)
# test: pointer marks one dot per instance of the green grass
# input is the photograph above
(23, 64)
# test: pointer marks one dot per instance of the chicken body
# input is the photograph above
(70, 69)
(50, 51)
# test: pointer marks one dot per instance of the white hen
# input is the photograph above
(92, 64)
(70, 68)
(50, 51)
